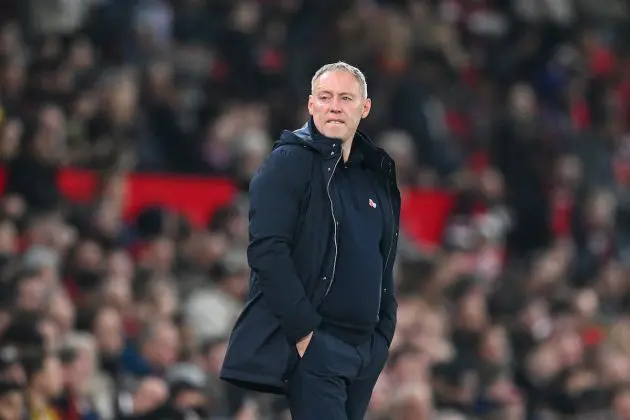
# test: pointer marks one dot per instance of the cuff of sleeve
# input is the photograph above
(386, 331)
(387, 324)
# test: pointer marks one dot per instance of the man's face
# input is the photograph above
(11, 406)
(108, 329)
(31, 293)
(337, 104)
(163, 349)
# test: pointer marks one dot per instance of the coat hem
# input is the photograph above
(254, 382)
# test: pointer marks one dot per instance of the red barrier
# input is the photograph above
(196, 197)
(424, 212)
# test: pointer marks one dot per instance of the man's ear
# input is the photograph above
(367, 106)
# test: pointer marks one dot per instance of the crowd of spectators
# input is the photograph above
(518, 108)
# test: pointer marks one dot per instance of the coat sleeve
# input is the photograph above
(389, 306)
(276, 193)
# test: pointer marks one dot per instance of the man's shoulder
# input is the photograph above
(288, 156)
(289, 165)
(291, 149)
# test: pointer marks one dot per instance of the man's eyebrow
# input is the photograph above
(328, 92)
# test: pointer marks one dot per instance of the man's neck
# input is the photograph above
(346, 148)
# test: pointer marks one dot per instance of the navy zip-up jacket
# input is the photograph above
(359, 215)
(293, 254)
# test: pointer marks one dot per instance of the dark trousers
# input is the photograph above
(334, 380)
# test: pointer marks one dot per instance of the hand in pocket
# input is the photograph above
(303, 344)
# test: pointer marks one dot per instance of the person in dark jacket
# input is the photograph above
(324, 217)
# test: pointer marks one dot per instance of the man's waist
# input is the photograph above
(351, 334)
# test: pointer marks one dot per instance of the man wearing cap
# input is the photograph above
(10, 368)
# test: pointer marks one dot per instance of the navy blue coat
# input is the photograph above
(293, 252)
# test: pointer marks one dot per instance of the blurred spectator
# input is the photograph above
(45, 383)
(11, 400)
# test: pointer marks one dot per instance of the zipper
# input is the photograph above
(332, 211)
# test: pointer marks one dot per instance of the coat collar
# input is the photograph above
(375, 157)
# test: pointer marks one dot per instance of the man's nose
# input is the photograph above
(336, 105)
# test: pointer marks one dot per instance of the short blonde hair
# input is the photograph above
(341, 66)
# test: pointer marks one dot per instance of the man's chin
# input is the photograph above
(335, 132)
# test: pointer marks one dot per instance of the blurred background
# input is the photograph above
(129, 130)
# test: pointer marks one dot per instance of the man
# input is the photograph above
(187, 399)
(324, 221)
(44, 377)
(10, 367)
(11, 400)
